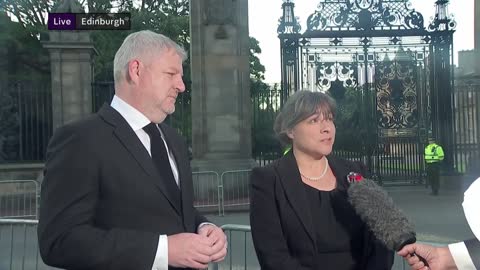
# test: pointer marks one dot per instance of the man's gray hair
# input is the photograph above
(299, 107)
(143, 45)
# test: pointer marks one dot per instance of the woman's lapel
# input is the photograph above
(295, 191)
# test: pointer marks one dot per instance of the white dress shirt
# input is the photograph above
(461, 256)
(137, 121)
(471, 207)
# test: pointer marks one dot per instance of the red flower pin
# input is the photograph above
(354, 177)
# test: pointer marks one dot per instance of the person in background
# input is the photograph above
(118, 192)
(300, 216)
(433, 157)
(463, 255)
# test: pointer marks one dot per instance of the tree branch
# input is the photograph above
(46, 6)
(40, 13)
(17, 14)
(36, 19)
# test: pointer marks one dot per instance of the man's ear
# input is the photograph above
(133, 71)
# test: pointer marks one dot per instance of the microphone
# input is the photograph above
(386, 221)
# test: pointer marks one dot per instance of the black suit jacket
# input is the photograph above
(103, 202)
(281, 220)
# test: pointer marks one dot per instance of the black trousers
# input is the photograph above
(433, 176)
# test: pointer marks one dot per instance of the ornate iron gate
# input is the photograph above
(391, 77)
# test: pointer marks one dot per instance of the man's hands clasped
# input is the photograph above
(190, 250)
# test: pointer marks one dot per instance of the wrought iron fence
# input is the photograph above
(265, 158)
(466, 99)
(25, 121)
(26, 127)
(348, 155)
(400, 158)
(102, 92)
(265, 105)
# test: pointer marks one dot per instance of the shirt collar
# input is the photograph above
(134, 118)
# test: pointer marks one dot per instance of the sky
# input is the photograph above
(264, 15)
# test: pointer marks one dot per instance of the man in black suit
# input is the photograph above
(117, 192)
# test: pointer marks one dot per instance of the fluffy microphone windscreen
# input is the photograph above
(377, 210)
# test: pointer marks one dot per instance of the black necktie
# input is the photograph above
(160, 158)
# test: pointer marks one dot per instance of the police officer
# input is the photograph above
(433, 157)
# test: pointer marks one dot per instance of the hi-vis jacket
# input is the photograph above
(433, 153)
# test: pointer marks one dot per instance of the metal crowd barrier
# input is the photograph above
(207, 190)
(241, 254)
(19, 245)
(19, 248)
(229, 190)
(235, 187)
(19, 199)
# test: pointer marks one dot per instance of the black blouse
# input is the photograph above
(339, 231)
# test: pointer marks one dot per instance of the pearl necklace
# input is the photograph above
(319, 177)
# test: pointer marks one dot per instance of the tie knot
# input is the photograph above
(151, 129)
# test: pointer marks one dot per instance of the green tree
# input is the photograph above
(265, 105)
(21, 54)
(169, 17)
(257, 69)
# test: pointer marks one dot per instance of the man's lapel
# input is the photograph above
(130, 141)
(177, 155)
(184, 173)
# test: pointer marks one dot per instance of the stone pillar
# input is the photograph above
(477, 24)
(476, 34)
(71, 58)
(221, 106)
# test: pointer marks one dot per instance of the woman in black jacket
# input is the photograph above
(300, 216)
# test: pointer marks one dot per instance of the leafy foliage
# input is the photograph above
(257, 69)
(21, 54)
(24, 23)
(265, 105)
